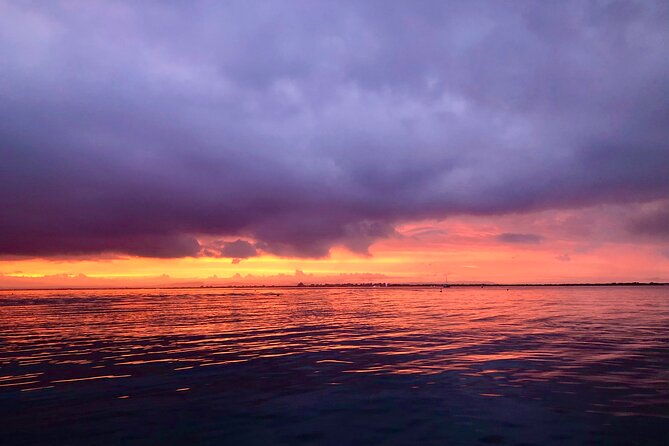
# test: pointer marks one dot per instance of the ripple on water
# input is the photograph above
(470, 360)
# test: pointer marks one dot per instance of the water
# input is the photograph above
(582, 365)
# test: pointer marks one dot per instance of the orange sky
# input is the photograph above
(585, 245)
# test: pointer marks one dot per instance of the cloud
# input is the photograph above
(240, 249)
(653, 223)
(510, 237)
(316, 124)
(237, 250)
(563, 258)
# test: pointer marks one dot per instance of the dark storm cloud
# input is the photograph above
(142, 127)
(510, 237)
(239, 249)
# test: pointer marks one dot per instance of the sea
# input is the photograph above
(578, 365)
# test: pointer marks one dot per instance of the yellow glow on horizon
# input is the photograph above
(430, 251)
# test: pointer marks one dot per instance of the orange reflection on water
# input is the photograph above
(501, 339)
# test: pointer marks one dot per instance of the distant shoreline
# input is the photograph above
(355, 285)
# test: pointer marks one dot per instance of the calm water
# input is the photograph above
(586, 365)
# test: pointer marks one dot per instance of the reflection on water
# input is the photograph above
(582, 365)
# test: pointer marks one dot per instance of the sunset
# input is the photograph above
(593, 244)
(400, 200)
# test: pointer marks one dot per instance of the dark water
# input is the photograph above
(335, 366)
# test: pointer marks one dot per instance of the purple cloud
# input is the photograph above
(509, 237)
(652, 223)
(237, 250)
(313, 124)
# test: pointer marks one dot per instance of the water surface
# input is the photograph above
(562, 365)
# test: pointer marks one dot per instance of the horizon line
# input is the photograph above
(350, 285)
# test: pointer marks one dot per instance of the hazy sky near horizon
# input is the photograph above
(367, 134)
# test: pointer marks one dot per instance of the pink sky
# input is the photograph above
(591, 244)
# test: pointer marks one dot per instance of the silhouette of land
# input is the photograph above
(359, 285)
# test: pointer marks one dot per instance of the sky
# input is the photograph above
(264, 142)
